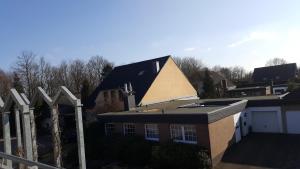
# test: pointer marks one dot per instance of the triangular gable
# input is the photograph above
(170, 84)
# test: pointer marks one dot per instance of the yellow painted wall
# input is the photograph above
(170, 84)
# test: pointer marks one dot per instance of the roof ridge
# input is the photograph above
(276, 65)
(143, 61)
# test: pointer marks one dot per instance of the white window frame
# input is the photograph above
(154, 128)
(182, 133)
(109, 133)
(125, 128)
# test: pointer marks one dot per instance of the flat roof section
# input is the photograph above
(181, 114)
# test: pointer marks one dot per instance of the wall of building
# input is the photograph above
(221, 136)
(170, 84)
(109, 102)
(165, 135)
(285, 108)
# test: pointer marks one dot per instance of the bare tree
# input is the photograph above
(193, 69)
(5, 83)
(276, 61)
(94, 68)
(77, 75)
(27, 69)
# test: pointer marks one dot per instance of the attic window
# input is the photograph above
(141, 73)
(105, 94)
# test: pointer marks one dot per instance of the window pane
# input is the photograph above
(129, 129)
(109, 129)
(151, 132)
(176, 132)
(190, 133)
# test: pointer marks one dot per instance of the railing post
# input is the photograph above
(6, 136)
(27, 132)
(80, 135)
(56, 136)
(33, 135)
(18, 133)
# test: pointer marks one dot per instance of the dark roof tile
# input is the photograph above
(140, 75)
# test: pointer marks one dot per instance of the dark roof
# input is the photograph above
(276, 73)
(140, 75)
(292, 97)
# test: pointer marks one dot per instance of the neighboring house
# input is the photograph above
(249, 91)
(278, 75)
(221, 83)
(139, 84)
(266, 81)
(213, 123)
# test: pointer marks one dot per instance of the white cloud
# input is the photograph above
(255, 36)
(189, 49)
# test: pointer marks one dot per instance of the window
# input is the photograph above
(120, 95)
(109, 129)
(105, 95)
(113, 95)
(151, 132)
(129, 129)
(183, 133)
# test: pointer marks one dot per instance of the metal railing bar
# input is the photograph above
(26, 162)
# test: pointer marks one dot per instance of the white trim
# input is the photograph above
(105, 128)
(124, 128)
(183, 134)
(279, 88)
(151, 138)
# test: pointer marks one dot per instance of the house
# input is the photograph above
(266, 81)
(249, 91)
(212, 125)
(146, 82)
(278, 75)
(215, 124)
(221, 84)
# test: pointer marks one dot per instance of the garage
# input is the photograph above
(292, 122)
(265, 122)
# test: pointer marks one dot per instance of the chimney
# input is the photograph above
(156, 67)
(125, 88)
(224, 84)
(129, 102)
(130, 87)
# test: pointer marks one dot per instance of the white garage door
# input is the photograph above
(265, 122)
(293, 122)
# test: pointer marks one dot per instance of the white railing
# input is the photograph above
(26, 162)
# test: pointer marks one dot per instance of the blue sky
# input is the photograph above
(223, 32)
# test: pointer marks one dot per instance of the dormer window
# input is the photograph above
(105, 95)
(141, 73)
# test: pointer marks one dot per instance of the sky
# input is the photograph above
(223, 32)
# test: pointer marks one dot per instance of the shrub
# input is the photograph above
(179, 156)
(93, 140)
(129, 150)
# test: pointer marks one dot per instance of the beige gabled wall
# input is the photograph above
(170, 84)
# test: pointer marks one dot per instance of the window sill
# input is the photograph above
(152, 139)
(187, 142)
